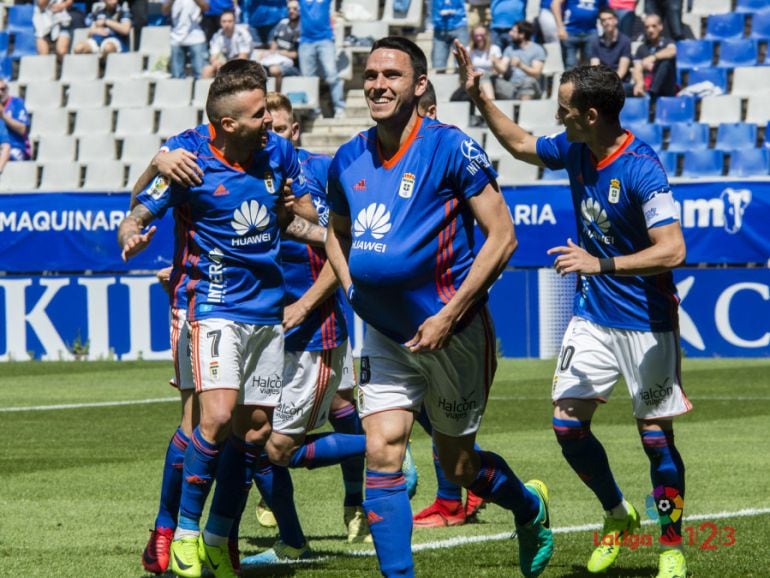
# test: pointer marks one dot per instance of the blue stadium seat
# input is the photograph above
(549, 175)
(725, 26)
(688, 136)
(19, 18)
(743, 52)
(6, 67)
(670, 109)
(704, 163)
(23, 45)
(736, 135)
(760, 25)
(694, 53)
(669, 160)
(716, 76)
(652, 134)
(4, 37)
(635, 111)
(752, 6)
(749, 163)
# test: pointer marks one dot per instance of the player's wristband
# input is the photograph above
(350, 293)
(607, 266)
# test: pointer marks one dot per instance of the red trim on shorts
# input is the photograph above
(196, 360)
(322, 384)
(175, 331)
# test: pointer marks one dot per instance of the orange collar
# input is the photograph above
(608, 160)
(218, 154)
(391, 162)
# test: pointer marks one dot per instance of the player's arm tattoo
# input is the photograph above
(302, 230)
(139, 217)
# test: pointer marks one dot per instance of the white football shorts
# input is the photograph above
(453, 382)
(180, 350)
(348, 381)
(593, 357)
(231, 355)
(311, 379)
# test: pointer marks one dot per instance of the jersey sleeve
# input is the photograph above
(552, 150)
(19, 112)
(467, 163)
(159, 195)
(335, 195)
(293, 169)
(651, 189)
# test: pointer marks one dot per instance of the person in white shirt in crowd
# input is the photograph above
(483, 54)
(109, 29)
(187, 37)
(229, 42)
(51, 22)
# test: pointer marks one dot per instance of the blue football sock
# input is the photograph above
(233, 483)
(667, 474)
(423, 419)
(275, 485)
(326, 449)
(171, 487)
(390, 522)
(345, 420)
(200, 466)
(587, 457)
(497, 483)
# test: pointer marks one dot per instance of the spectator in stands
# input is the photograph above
(51, 22)
(670, 12)
(16, 120)
(576, 25)
(626, 13)
(505, 13)
(5, 147)
(483, 55)
(187, 37)
(317, 53)
(109, 29)
(654, 70)
(479, 13)
(263, 16)
(212, 22)
(139, 11)
(450, 22)
(521, 66)
(283, 57)
(612, 48)
(229, 42)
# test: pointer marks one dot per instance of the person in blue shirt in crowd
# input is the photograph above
(625, 313)
(450, 22)
(16, 120)
(262, 16)
(211, 17)
(5, 147)
(403, 198)
(505, 13)
(109, 29)
(576, 26)
(612, 48)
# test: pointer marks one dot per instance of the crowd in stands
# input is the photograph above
(656, 48)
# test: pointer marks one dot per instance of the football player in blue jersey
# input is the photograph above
(403, 199)
(625, 319)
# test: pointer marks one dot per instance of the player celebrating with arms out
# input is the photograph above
(625, 310)
(403, 197)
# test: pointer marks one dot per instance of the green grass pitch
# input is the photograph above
(79, 485)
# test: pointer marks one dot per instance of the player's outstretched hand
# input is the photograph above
(469, 76)
(433, 334)
(137, 243)
(574, 259)
(180, 166)
(164, 277)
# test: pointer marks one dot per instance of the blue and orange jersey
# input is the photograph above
(231, 231)
(15, 107)
(325, 326)
(617, 199)
(412, 227)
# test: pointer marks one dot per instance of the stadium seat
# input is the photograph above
(79, 67)
(716, 76)
(758, 109)
(123, 66)
(512, 171)
(635, 111)
(97, 147)
(725, 26)
(135, 171)
(56, 148)
(748, 80)
(536, 113)
(734, 53)
(554, 62)
(19, 176)
(171, 92)
(495, 151)
(652, 134)
(201, 91)
(456, 113)
(670, 109)
(6, 67)
(135, 121)
(60, 176)
(90, 121)
(24, 44)
(445, 85)
(703, 163)
(155, 40)
(746, 163)
(670, 161)
(18, 19)
(302, 91)
(694, 53)
(549, 175)
(412, 19)
(174, 120)
(104, 176)
(133, 93)
(753, 7)
(43, 94)
(86, 94)
(718, 109)
(706, 7)
(686, 136)
(37, 68)
(736, 135)
(692, 21)
(373, 30)
(49, 121)
(139, 148)
(4, 37)
(361, 11)
(760, 25)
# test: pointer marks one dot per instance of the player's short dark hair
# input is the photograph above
(428, 97)
(227, 11)
(242, 76)
(415, 53)
(526, 29)
(596, 87)
(278, 101)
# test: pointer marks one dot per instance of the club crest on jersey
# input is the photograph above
(269, 182)
(159, 187)
(614, 194)
(407, 186)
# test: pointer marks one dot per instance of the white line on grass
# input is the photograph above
(90, 404)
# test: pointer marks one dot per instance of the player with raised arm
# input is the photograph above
(404, 196)
(625, 315)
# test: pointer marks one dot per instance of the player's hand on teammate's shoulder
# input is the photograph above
(434, 333)
(572, 258)
(180, 166)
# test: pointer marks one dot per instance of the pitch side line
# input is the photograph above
(90, 404)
